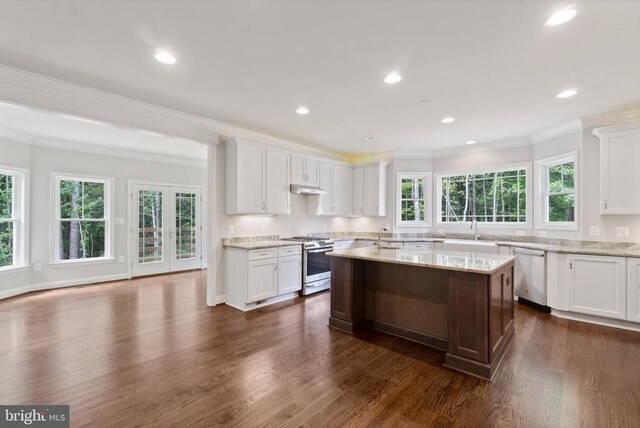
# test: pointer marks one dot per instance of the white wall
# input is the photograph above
(44, 161)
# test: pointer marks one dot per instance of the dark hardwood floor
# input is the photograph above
(149, 352)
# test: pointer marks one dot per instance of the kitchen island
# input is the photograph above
(459, 302)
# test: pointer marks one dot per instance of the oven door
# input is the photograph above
(317, 264)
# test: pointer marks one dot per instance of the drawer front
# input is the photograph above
(290, 251)
(265, 253)
(418, 245)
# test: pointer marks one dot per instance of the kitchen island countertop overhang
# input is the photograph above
(455, 301)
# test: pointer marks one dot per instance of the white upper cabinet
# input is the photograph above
(305, 171)
(277, 183)
(336, 180)
(257, 179)
(358, 192)
(597, 285)
(619, 175)
(245, 177)
(375, 189)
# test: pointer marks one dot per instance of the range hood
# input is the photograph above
(300, 189)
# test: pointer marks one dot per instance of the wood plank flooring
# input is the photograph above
(149, 352)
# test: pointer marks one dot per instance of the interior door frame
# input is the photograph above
(131, 217)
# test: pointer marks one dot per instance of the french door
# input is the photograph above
(166, 229)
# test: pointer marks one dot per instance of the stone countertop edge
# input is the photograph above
(355, 254)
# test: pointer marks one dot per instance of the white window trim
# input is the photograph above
(428, 199)
(541, 185)
(21, 216)
(109, 234)
(483, 170)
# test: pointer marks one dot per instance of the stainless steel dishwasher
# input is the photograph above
(531, 277)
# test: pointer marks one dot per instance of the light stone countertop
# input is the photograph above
(462, 261)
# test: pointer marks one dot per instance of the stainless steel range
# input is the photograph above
(316, 264)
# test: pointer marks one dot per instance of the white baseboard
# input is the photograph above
(221, 299)
(14, 292)
(61, 284)
(592, 319)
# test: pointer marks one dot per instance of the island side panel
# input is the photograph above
(468, 316)
(408, 301)
(501, 317)
(348, 293)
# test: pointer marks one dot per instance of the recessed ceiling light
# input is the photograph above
(393, 77)
(470, 142)
(165, 57)
(567, 93)
(370, 137)
(82, 119)
(448, 119)
(302, 110)
(562, 16)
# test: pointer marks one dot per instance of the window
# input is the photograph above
(83, 218)
(557, 190)
(497, 196)
(12, 209)
(413, 199)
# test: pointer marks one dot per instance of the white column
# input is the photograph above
(212, 222)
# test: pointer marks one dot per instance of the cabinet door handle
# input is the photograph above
(571, 264)
(605, 204)
(276, 268)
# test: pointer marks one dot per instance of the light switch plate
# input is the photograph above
(357, 225)
(542, 234)
(264, 227)
(594, 230)
(121, 259)
(441, 230)
(520, 233)
(230, 229)
(622, 231)
(118, 220)
(324, 226)
(37, 266)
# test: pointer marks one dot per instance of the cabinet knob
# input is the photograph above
(605, 204)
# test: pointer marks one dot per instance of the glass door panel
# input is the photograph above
(150, 226)
(188, 230)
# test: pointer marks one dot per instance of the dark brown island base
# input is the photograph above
(456, 301)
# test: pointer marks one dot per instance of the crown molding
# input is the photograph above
(17, 136)
(508, 143)
(45, 93)
(52, 143)
(625, 115)
(412, 154)
(359, 159)
(557, 131)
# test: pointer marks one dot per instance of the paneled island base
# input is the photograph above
(467, 312)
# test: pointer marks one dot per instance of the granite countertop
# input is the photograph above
(462, 261)
(258, 245)
(623, 251)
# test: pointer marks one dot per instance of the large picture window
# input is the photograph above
(557, 190)
(83, 219)
(413, 199)
(12, 208)
(497, 196)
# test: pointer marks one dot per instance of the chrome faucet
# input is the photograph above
(379, 243)
(474, 227)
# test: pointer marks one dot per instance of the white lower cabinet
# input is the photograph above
(262, 281)
(289, 274)
(633, 290)
(256, 275)
(597, 285)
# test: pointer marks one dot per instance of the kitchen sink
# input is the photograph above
(470, 245)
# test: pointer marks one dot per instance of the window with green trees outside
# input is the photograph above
(489, 197)
(82, 221)
(7, 220)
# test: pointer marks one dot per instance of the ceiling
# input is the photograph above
(491, 64)
(51, 128)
